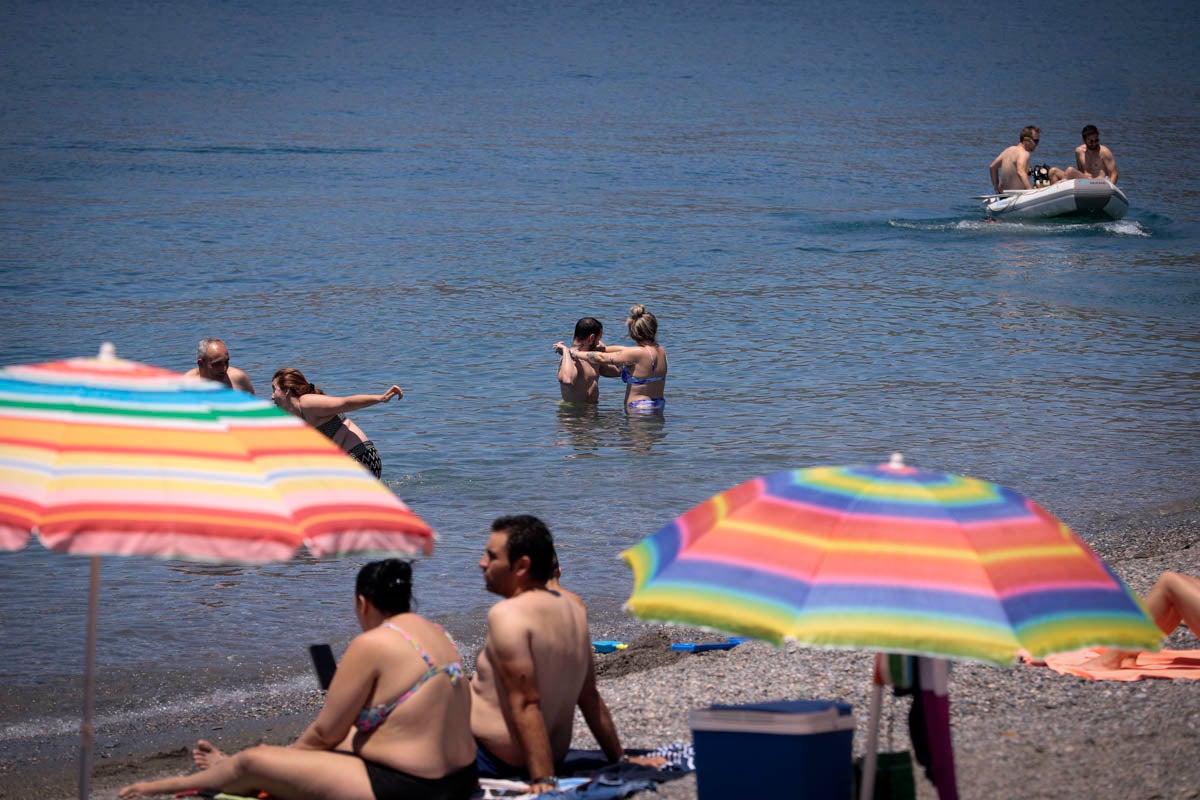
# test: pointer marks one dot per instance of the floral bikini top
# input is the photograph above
(371, 718)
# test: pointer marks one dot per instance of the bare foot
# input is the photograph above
(205, 754)
(657, 762)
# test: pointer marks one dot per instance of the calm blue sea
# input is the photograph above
(432, 193)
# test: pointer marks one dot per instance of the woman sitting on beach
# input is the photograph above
(292, 392)
(643, 367)
(396, 723)
(1174, 598)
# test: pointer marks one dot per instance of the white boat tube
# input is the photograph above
(1083, 197)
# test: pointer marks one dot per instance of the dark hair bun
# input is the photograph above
(396, 575)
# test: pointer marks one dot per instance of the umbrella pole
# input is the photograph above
(867, 788)
(87, 731)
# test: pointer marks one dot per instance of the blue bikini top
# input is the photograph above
(628, 379)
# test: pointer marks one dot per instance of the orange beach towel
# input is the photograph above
(1163, 664)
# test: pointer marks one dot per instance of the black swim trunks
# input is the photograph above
(392, 784)
(366, 454)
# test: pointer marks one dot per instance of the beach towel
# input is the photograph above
(589, 776)
(602, 788)
(1163, 664)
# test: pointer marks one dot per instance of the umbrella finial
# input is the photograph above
(108, 352)
(897, 461)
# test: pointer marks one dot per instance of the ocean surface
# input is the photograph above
(432, 193)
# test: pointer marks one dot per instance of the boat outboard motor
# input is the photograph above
(1039, 175)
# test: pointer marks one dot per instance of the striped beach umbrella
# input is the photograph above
(889, 558)
(108, 456)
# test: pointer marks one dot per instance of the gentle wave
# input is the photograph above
(43, 727)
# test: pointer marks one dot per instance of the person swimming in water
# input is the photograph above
(578, 380)
(643, 367)
(293, 393)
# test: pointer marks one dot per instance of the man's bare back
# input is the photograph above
(579, 381)
(540, 635)
(536, 665)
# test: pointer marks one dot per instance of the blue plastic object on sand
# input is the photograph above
(608, 646)
(691, 647)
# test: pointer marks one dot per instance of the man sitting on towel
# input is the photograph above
(536, 664)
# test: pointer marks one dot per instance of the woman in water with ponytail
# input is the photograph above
(292, 392)
(396, 724)
(643, 367)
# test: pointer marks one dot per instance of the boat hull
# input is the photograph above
(1086, 198)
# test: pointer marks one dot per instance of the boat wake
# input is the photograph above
(1122, 227)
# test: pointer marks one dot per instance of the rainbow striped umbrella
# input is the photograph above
(108, 456)
(889, 558)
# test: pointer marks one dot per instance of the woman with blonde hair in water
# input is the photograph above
(643, 366)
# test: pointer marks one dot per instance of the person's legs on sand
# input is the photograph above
(283, 772)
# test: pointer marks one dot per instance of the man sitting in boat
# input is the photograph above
(1010, 169)
(1092, 160)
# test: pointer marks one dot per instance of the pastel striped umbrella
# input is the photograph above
(103, 455)
(108, 456)
(889, 558)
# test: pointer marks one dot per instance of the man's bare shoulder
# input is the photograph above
(193, 371)
(539, 610)
(513, 611)
(240, 380)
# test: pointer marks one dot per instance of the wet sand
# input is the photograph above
(1020, 732)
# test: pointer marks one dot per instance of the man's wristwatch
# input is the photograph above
(550, 781)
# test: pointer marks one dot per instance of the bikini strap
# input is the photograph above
(420, 650)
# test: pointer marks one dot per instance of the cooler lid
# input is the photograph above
(789, 706)
(779, 717)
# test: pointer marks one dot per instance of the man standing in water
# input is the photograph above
(1010, 169)
(536, 664)
(212, 362)
(1092, 160)
(579, 381)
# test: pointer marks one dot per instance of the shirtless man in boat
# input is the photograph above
(1092, 160)
(212, 362)
(1010, 169)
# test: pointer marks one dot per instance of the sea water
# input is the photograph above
(430, 194)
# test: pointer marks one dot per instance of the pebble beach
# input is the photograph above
(1022, 731)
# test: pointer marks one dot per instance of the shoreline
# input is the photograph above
(1023, 731)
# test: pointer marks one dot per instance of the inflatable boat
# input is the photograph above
(1082, 198)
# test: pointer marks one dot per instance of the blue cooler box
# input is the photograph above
(788, 748)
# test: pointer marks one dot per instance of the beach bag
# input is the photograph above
(893, 776)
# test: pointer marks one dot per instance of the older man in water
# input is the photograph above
(536, 665)
(212, 362)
